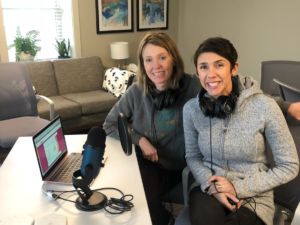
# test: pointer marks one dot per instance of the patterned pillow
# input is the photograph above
(116, 81)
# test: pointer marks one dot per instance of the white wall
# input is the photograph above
(259, 29)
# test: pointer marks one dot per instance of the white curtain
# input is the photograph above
(3, 46)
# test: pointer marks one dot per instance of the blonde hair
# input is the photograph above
(165, 41)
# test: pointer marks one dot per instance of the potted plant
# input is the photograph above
(26, 47)
(63, 48)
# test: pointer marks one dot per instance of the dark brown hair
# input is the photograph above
(220, 46)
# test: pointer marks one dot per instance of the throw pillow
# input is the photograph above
(116, 81)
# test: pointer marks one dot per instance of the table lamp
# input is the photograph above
(119, 51)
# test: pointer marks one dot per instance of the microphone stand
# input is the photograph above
(88, 200)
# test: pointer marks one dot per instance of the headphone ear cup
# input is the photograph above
(221, 104)
(227, 105)
(217, 108)
(207, 106)
(165, 99)
(221, 107)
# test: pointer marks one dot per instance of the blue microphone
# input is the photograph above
(93, 153)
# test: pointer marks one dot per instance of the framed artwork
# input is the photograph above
(114, 16)
(152, 14)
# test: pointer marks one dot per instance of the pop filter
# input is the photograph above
(124, 134)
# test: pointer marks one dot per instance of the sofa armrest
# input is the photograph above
(50, 102)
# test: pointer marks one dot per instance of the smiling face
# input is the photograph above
(158, 64)
(215, 72)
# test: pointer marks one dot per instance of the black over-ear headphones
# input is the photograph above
(164, 99)
(223, 105)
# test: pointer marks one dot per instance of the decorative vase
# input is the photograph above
(26, 57)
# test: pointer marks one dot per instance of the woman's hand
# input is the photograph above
(223, 190)
(221, 184)
(149, 151)
(228, 200)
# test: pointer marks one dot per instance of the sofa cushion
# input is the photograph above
(93, 101)
(78, 75)
(67, 109)
(42, 77)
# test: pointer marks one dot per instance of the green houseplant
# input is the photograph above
(26, 46)
(63, 48)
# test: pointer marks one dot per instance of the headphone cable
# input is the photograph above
(210, 145)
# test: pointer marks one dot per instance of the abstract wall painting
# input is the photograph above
(152, 14)
(114, 16)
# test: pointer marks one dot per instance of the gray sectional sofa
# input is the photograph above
(75, 87)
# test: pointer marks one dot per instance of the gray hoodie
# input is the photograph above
(238, 147)
(163, 128)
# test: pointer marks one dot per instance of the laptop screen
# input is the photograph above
(50, 145)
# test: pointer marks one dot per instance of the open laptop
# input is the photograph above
(56, 165)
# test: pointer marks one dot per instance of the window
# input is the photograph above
(52, 18)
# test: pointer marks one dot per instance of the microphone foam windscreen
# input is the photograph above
(96, 137)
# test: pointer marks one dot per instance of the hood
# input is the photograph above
(248, 87)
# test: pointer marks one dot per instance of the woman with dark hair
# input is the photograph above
(226, 128)
(153, 107)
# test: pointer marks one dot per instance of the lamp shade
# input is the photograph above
(119, 50)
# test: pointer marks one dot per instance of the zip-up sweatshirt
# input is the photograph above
(238, 147)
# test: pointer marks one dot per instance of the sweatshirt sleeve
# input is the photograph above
(194, 157)
(284, 153)
(124, 105)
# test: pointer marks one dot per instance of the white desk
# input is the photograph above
(296, 219)
(21, 183)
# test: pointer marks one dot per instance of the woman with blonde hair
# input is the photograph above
(153, 107)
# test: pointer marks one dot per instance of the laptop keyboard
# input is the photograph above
(68, 167)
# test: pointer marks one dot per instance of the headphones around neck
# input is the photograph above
(167, 98)
(221, 107)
